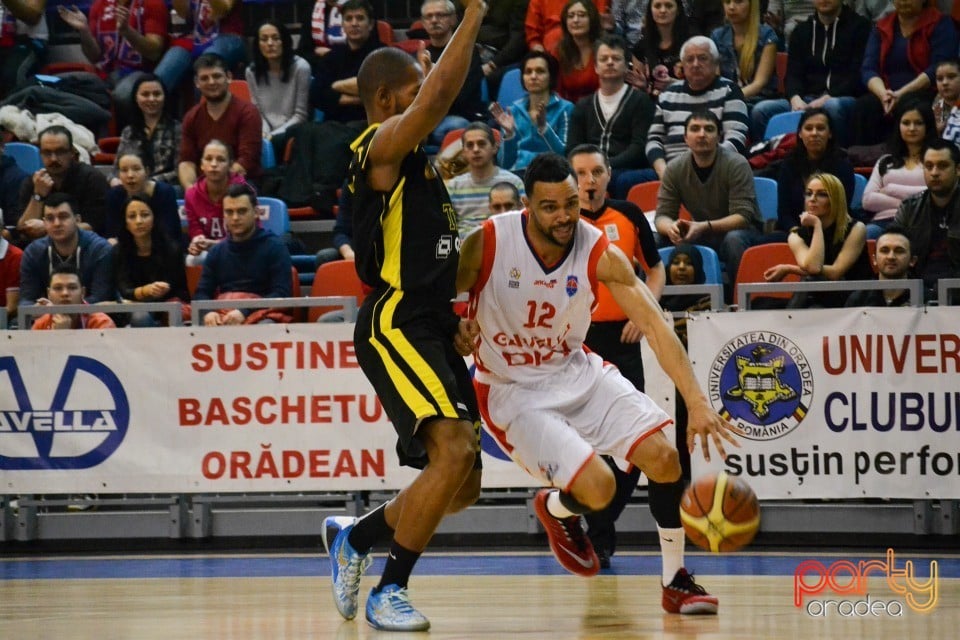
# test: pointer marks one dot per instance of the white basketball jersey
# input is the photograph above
(533, 317)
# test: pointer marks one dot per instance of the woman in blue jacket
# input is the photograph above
(538, 122)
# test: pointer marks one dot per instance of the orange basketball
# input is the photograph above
(720, 513)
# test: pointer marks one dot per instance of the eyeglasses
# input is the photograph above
(51, 218)
(819, 195)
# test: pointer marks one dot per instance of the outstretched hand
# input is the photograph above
(705, 424)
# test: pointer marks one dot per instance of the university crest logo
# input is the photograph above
(761, 382)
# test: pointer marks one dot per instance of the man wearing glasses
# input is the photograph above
(61, 172)
(66, 244)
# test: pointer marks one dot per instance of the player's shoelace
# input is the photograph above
(684, 582)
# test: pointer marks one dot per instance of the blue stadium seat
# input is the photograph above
(860, 184)
(782, 123)
(268, 159)
(712, 272)
(27, 156)
(274, 215)
(511, 89)
(766, 189)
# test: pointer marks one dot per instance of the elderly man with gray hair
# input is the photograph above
(702, 88)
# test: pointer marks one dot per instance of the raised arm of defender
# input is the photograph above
(400, 134)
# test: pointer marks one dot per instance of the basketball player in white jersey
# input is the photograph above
(532, 277)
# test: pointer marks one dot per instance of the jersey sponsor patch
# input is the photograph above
(612, 232)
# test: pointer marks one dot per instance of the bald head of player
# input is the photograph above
(388, 81)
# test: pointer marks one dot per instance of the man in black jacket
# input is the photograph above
(932, 217)
(823, 69)
(616, 119)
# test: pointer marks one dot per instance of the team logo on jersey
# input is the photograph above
(514, 281)
(86, 420)
(572, 285)
(761, 382)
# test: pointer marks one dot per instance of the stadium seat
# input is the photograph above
(273, 215)
(55, 68)
(511, 88)
(766, 189)
(337, 278)
(268, 157)
(872, 253)
(782, 123)
(758, 259)
(385, 32)
(782, 72)
(108, 150)
(644, 195)
(712, 272)
(410, 46)
(193, 277)
(25, 155)
(240, 89)
(860, 184)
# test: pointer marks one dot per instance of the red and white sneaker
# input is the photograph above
(683, 595)
(568, 540)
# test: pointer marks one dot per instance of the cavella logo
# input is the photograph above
(85, 422)
(844, 578)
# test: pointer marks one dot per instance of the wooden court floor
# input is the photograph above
(465, 596)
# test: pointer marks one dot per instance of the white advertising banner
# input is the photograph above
(853, 403)
(246, 409)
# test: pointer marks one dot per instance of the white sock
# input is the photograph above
(672, 544)
(556, 508)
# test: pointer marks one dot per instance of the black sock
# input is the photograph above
(370, 529)
(665, 502)
(400, 563)
(568, 501)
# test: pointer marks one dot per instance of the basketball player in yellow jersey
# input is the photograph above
(407, 250)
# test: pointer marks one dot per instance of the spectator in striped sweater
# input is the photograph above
(701, 88)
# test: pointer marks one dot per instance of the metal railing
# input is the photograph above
(172, 309)
(744, 289)
(347, 303)
(944, 287)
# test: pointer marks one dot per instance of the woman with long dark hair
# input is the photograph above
(152, 133)
(657, 52)
(134, 176)
(580, 24)
(279, 82)
(899, 173)
(148, 264)
(816, 152)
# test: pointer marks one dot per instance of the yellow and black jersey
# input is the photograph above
(405, 238)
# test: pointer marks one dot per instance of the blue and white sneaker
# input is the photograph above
(346, 565)
(390, 610)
